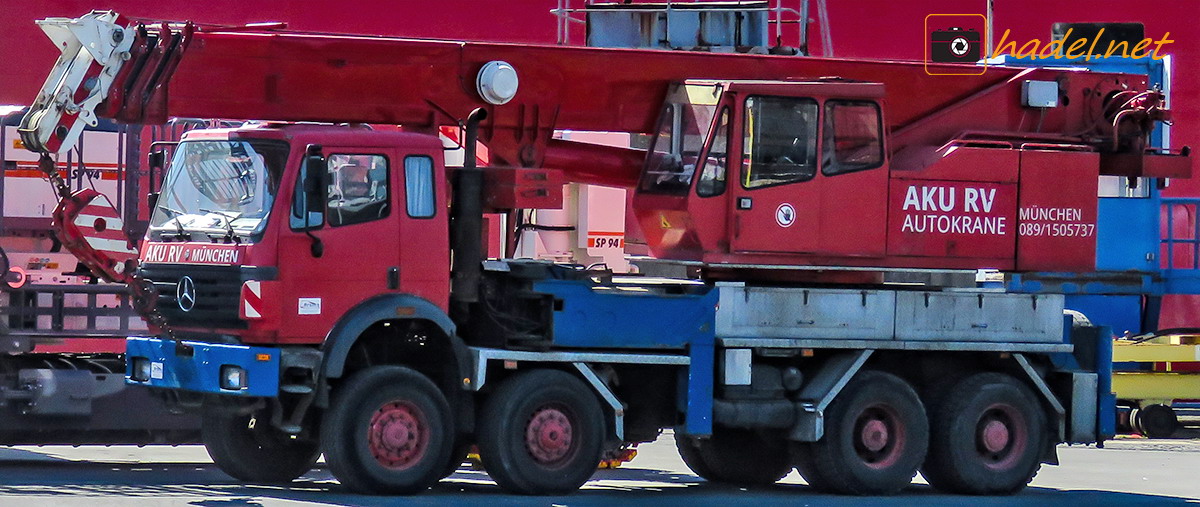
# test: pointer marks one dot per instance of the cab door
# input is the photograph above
(777, 202)
(358, 232)
(424, 244)
(853, 179)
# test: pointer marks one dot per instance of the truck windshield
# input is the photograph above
(222, 189)
(682, 134)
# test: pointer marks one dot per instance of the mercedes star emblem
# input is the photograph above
(185, 294)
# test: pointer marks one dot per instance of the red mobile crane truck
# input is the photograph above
(320, 288)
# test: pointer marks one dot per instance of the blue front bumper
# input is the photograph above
(196, 366)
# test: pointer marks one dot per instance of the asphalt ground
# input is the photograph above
(1126, 472)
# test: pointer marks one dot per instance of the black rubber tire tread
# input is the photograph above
(802, 459)
(740, 457)
(831, 464)
(1157, 421)
(952, 429)
(257, 456)
(690, 454)
(501, 438)
(344, 435)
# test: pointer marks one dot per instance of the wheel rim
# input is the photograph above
(549, 436)
(879, 436)
(1001, 436)
(398, 435)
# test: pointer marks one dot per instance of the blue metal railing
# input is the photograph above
(1173, 243)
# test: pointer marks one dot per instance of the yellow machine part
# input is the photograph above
(1161, 386)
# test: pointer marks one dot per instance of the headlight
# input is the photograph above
(140, 370)
(233, 377)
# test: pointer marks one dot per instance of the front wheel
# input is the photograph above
(542, 433)
(246, 448)
(388, 431)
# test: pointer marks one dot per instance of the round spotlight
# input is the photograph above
(497, 82)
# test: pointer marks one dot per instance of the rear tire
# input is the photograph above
(876, 436)
(249, 450)
(1156, 421)
(542, 433)
(388, 431)
(987, 437)
(736, 456)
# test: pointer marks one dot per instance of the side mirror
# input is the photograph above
(314, 179)
(156, 159)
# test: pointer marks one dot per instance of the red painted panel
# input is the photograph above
(783, 218)
(854, 213)
(952, 219)
(1057, 229)
(959, 163)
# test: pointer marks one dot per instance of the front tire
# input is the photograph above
(249, 450)
(542, 433)
(388, 431)
(987, 437)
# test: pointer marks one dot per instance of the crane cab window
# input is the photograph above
(358, 189)
(712, 177)
(780, 141)
(852, 137)
(682, 134)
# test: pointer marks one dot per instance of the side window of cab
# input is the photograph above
(853, 137)
(357, 189)
(779, 141)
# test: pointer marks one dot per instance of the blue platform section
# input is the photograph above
(597, 316)
(1121, 313)
(196, 366)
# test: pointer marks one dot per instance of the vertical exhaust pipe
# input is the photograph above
(466, 222)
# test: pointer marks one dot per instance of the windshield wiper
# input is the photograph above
(229, 216)
(183, 234)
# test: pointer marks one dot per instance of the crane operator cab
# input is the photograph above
(763, 172)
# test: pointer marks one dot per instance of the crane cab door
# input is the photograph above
(813, 178)
(776, 202)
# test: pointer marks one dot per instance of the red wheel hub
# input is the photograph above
(549, 436)
(1001, 436)
(875, 435)
(398, 435)
(879, 436)
(995, 436)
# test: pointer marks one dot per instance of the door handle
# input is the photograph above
(393, 278)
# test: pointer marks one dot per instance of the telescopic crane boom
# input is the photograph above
(144, 72)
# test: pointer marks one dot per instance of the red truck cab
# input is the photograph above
(232, 251)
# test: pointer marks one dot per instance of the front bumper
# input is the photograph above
(196, 366)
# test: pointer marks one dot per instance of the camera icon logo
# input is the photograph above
(954, 45)
(955, 39)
